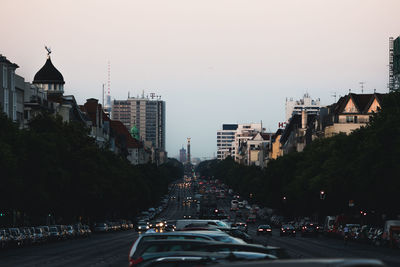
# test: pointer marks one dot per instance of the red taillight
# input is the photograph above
(133, 262)
(268, 230)
(260, 230)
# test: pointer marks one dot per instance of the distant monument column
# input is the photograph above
(188, 151)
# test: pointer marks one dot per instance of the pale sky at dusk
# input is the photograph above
(212, 61)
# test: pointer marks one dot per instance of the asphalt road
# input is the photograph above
(111, 249)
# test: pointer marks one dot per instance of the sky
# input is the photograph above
(212, 61)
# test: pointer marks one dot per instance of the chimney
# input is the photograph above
(304, 118)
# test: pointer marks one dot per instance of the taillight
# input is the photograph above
(133, 262)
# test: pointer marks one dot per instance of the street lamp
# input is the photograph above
(322, 194)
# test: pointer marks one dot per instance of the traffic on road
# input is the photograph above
(201, 222)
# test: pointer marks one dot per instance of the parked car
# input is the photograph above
(40, 235)
(71, 233)
(264, 229)
(5, 240)
(101, 227)
(54, 234)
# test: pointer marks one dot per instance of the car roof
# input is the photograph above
(326, 262)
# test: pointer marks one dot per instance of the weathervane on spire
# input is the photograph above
(48, 50)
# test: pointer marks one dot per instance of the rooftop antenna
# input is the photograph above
(48, 49)
(103, 96)
(362, 87)
(334, 95)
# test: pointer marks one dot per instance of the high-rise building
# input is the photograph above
(8, 93)
(225, 138)
(296, 107)
(394, 64)
(144, 115)
(182, 155)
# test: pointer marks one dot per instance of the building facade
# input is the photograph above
(146, 115)
(182, 155)
(8, 93)
(297, 106)
(350, 113)
(225, 138)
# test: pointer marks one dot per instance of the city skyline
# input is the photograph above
(212, 62)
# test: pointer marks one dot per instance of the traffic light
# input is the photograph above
(2, 214)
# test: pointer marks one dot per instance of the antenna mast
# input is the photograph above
(107, 105)
(362, 87)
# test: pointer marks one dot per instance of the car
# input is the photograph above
(181, 224)
(54, 234)
(264, 229)
(101, 227)
(287, 230)
(196, 258)
(240, 234)
(309, 229)
(5, 240)
(251, 218)
(71, 232)
(189, 235)
(241, 226)
(142, 227)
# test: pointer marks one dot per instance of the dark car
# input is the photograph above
(195, 258)
(264, 229)
(5, 240)
(309, 229)
(240, 225)
(240, 234)
(287, 229)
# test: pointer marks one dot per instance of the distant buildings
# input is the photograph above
(8, 93)
(245, 143)
(394, 64)
(297, 106)
(145, 117)
(21, 101)
(182, 155)
(350, 112)
(225, 138)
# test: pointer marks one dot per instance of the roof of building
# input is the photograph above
(295, 123)
(3, 59)
(361, 101)
(123, 135)
(91, 108)
(48, 74)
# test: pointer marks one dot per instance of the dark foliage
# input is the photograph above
(363, 166)
(56, 168)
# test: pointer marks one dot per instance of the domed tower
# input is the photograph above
(49, 78)
(135, 132)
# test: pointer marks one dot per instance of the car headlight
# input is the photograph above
(147, 227)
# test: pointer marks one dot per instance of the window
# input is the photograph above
(12, 81)
(349, 119)
(6, 101)
(14, 106)
(4, 77)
